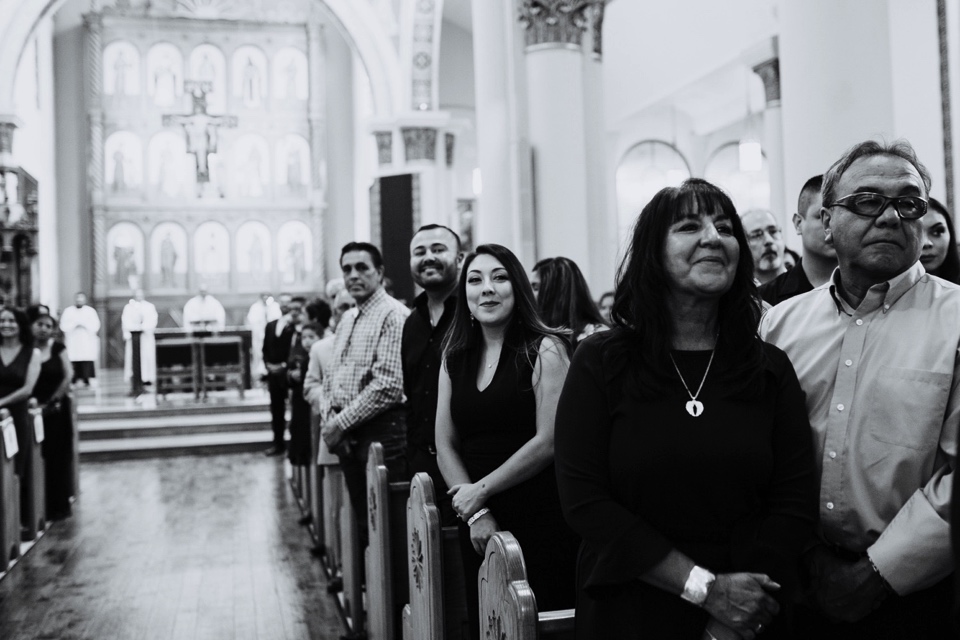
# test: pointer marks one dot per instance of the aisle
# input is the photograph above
(173, 549)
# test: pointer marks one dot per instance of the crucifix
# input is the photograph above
(201, 129)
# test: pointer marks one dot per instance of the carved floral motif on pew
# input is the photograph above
(372, 509)
(416, 547)
(495, 627)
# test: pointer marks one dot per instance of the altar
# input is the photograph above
(198, 362)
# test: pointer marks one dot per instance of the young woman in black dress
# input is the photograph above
(19, 370)
(498, 388)
(683, 450)
(52, 393)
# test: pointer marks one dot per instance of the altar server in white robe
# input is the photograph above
(140, 315)
(204, 312)
(80, 325)
(262, 311)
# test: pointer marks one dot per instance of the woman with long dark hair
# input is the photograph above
(502, 372)
(52, 393)
(564, 298)
(19, 370)
(939, 249)
(683, 450)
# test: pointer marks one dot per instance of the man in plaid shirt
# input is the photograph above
(362, 398)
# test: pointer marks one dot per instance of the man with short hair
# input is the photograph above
(278, 338)
(80, 325)
(140, 315)
(819, 258)
(766, 244)
(876, 353)
(362, 399)
(203, 312)
(435, 258)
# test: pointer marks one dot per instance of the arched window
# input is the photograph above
(748, 189)
(644, 169)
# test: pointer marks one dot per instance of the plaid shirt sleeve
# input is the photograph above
(385, 387)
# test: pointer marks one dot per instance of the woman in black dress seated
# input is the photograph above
(19, 370)
(564, 299)
(683, 451)
(498, 389)
(51, 392)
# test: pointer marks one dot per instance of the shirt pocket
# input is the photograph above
(906, 406)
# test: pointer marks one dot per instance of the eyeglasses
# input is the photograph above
(872, 205)
(757, 234)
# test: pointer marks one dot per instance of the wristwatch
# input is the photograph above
(697, 587)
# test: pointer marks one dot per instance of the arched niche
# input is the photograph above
(646, 168)
(164, 74)
(295, 253)
(254, 256)
(748, 189)
(170, 170)
(250, 80)
(248, 163)
(292, 164)
(125, 257)
(121, 69)
(168, 257)
(211, 254)
(207, 64)
(290, 78)
(123, 163)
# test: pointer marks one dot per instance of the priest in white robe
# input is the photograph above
(140, 315)
(262, 311)
(80, 325)
(203, 312)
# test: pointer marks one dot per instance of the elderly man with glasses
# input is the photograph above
(766, 244)
(875, 349)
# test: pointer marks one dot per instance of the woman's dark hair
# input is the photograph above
(317, 327)
(23, 323)
(640, 299)
(525, 328)
(564, 297)
(37, 311)
(319, 311)
(950, 268)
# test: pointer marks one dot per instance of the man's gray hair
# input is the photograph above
(899, 148)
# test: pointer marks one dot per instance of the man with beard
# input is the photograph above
(766, 244)
(435, 259)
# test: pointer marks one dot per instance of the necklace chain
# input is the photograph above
(693, 396)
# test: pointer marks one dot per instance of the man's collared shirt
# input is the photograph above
(421, 349)
(788, 284)
(883, 399)
(367, 376)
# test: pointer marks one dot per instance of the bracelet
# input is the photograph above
(477, 516)
(698, 585)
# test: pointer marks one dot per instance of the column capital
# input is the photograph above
(419, 143)
(384, 147)
(553, 23)
(8, 124)
(769, 72)
(594, 15)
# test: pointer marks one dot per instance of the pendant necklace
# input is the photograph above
(694, 406)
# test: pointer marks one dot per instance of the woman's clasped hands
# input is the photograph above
(468, 499)
(740, 605)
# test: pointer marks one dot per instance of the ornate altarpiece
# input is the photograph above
(205, 152)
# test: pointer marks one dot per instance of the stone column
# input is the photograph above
(782, 203)
(93, 71)
(318, 146)
(557, 118)
(502, 149)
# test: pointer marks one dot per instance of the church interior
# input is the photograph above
(234, 146)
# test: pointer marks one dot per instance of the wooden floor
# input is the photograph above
(178, 549)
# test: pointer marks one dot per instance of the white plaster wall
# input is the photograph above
(456, 68)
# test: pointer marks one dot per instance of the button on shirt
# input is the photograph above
(883, 399)
(422, 343)
(367, 376)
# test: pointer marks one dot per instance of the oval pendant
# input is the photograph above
(695, 408)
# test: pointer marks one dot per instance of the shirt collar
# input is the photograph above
(881, 294)
(375, 298)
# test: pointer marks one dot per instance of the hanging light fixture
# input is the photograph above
(751, 154)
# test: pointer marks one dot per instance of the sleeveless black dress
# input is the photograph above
(12, 377)
(492, 425)
(58, 431)
(299, 452)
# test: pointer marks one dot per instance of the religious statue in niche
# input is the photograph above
(211, 252)
(120, 67)
(251, 84)
(294, 253)
(168, 250)
(125, 257)
(119, 173)
(290, 75)
(165, 83)
(201, 131)
(123, 157)
(293, 165)
(253, 256)
(294, 171)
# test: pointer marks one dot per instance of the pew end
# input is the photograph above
(508, 606)
(9, 494)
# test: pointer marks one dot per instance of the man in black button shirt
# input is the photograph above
(819, 259)
(435, 259)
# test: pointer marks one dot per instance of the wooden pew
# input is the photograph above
(508, 607)
(387, 554)
(33, 488)
(75, 452)
(437, 608)
(9, 493)
(315, 478)
(351, 557)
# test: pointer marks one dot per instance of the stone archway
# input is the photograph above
(358, 21)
